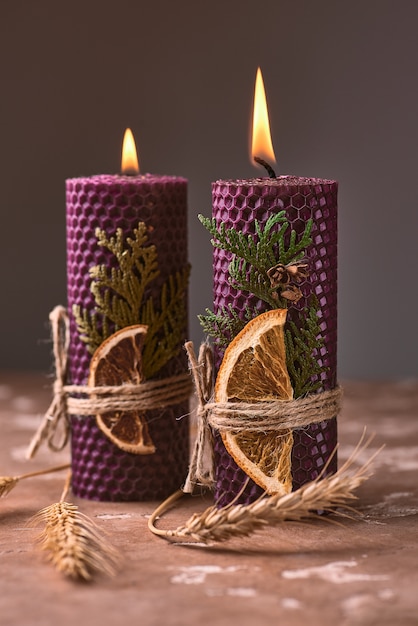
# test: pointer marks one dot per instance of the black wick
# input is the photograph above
(131, 171)
(268, 167)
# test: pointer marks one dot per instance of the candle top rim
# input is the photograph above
(280, 181)
(124, 178)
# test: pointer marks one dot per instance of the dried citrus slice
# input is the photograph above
(118, 361)
(253, 369)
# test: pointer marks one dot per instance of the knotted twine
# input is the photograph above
(260, 417)
(84, 400)
(272, 415)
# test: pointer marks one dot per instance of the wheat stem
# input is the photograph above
(161, 509)
(326, 493)
(67, 486)
(58, 468)
(7, 483)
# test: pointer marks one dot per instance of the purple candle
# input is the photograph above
(101, 470)
(238, 204)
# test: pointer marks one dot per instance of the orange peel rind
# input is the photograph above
(254, 369)
(118, 361)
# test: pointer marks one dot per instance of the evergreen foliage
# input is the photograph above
(303, 341)
(254, 255)
(120, 295)
(251, 257)
(225, 325)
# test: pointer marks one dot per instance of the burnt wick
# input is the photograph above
(268, 167)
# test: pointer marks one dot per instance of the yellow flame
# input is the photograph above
(129, 157)
(261, 139)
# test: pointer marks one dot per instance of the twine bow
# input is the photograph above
(202, 372)
(57, 411)
(85, 400)
(258, 417)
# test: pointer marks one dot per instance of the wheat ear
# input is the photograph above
(73, 542)
(235, 520)
(7, 483)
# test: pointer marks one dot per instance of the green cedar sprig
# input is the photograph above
(252, 256)
(225, 325)
(303, 342)
(267, 247)
(119, 294)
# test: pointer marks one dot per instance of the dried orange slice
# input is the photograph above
(254, 369)
(118, 361)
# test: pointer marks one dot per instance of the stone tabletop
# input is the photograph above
(361, 571)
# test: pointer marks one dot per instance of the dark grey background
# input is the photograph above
(341, 81)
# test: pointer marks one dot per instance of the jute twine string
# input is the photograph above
(261, 417)
(275, 415)
(202, 372)
(84, 400)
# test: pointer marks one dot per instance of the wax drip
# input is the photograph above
(268, 167)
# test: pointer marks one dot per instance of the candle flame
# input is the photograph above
(261, 140)
(130, 165)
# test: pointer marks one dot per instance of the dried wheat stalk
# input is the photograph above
(7, 483)
(324, 494)
(73, 542)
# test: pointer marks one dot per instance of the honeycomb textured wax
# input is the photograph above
(237, 204)
(100, 470)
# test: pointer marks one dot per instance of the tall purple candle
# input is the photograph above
(238, 204)
(100, 469)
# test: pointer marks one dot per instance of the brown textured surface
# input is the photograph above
(362, 573)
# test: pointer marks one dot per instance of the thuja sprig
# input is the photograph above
(225, 325)
(266, 247)
(253, 255)
(257, 250)
(303, 341)
(248, 278)
(119, 291)
(120, 299)
(263, 264)
(165, 326)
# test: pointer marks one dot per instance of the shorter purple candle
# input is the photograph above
(101, 470)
